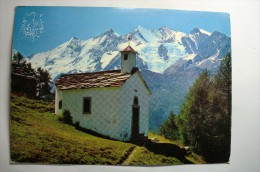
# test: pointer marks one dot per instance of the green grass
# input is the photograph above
(37, 136)
(163, 139)
(142, 156)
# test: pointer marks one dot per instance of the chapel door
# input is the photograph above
(135, 117)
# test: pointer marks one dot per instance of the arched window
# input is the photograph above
(125, 56)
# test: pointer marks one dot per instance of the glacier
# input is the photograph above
(97, 53)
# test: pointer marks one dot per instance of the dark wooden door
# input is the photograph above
(135, 117)
(135, 121)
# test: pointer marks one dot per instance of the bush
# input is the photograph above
(66, 117)
(77, 125)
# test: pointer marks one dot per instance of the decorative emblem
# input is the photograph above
(32, 25)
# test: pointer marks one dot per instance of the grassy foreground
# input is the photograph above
(37, 136)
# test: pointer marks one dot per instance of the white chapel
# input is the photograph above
(112, 103)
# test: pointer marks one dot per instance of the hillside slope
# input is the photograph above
(37, 136)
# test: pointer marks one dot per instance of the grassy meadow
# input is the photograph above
(37, 136)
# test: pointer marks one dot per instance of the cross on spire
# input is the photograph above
(129, 39)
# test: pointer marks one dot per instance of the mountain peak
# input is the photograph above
(110, 32)
(139, 27)
(205, 32)
(73, 38)
(165, 28)
(198, 30)
(195, 30)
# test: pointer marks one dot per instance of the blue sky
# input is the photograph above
(59, 24)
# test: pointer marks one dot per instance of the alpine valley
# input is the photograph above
(169, 61)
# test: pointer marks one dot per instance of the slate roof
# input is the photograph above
(113, 78)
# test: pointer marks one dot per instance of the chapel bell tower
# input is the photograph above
(128, 59)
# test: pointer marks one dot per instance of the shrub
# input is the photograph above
(66, 117)
(77, 125)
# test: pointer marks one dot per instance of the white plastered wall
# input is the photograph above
(127, 65)
(134, 86)
(111, 108)
(58, 97)
(104, 117)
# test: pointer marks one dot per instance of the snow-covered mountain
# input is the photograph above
(158, 49)
(162, 35)
(161, 51)
(78, 55)
(169, 61)
(205, 51)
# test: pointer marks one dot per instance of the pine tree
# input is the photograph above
(44, 80)
(17, 58)
(221, 99)
(205, 116)
(169, 129)
(194, 112)
(223, 82)
(43, 76)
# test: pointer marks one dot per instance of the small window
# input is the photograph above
(60, 104)
(87, 105)
(125, 56)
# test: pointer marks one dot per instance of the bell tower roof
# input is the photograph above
(128, 49)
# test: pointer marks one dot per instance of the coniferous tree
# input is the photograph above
(44, 80)
(17, 58)
(169, 129)
(20, 67)
(43, 76)
(194, 112)
(205, 116)
(221, 108)
(223, 82)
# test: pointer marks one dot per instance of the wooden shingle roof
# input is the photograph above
(113, 78)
